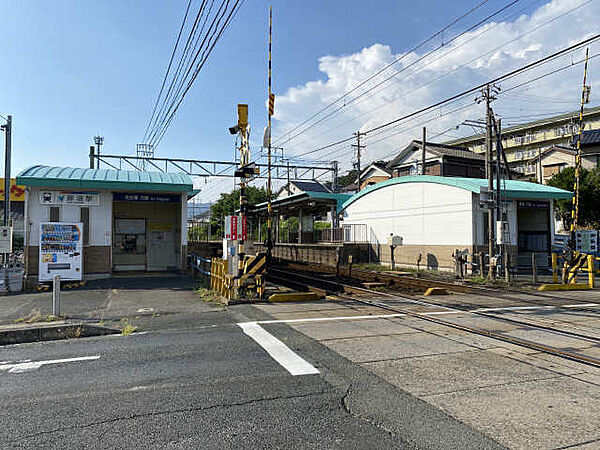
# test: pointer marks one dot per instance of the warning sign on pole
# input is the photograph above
(271, 104)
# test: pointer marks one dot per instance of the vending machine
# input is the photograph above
(61, 251)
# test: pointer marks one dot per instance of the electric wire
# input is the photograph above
(394, 74)
(388, 103)
(187, 9)
(206, 54)
(462, 94)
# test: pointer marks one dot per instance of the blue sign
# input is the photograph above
(143, 197)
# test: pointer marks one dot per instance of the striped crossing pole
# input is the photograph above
(575, 204)
(270, 113)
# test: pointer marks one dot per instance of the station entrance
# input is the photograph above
(146, 232)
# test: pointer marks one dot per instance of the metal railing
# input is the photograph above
(350, 233)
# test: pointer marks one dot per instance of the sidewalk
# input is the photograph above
(147, 302)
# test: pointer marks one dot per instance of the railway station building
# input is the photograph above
(437, 215)
(131, 221)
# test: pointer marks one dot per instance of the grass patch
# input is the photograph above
(478, 280)
(36, 316)
(126, 327)
(206, 295)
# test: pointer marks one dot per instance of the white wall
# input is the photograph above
(422, 213)
(184, 230)
(100, 217)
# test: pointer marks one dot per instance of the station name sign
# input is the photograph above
(531, 204)
(69, 198)
(146, 197)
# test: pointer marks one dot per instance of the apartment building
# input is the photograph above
(525, 143)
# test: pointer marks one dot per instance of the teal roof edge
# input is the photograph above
(514, 189)
(77, 178)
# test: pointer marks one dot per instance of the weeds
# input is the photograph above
(126, 327)
(206, 295)
(36, 316)
(478, 280)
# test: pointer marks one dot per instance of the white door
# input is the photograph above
(161, 250)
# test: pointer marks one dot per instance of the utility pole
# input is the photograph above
(92, 156)
(99, 141)
(334, 177)
(359, 148)
(7, 163)
(499, 219)
(489, 175)
(423, 150)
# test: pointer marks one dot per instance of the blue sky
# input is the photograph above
(72, 69)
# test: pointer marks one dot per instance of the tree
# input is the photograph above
(350, 177)
(589, 196)
(229, 203)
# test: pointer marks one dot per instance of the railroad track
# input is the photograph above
(420, 285)
(342, 290)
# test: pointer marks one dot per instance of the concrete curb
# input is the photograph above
(51, 332)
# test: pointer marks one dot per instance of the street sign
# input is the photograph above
(395, 241)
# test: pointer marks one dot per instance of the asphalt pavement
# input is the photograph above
(208, 386)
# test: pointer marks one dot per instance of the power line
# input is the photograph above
(460, 66)
(387, 66)
(394, 74)
(187, 9)
(455, 97)
(199, 45)
(175, 106)
(493, 81)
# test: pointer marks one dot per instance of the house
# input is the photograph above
(440, 160)
(374, 173)
(558, 157)
(437, 215)
(297, 187)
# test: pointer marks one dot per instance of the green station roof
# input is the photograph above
(513, 189)
(69, 177)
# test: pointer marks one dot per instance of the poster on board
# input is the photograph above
(61, 251)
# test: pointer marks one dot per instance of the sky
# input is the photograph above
(72, 69)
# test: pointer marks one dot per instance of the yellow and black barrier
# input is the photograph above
(581, 263)
(252, 279)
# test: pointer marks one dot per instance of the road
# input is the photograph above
(210, 386)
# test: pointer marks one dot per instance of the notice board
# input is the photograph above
(61, 251)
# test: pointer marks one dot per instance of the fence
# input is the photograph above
(350, 233)
(200, 266)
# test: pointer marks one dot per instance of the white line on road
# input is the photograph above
(431, 313)
(280, 352)
(20, 367)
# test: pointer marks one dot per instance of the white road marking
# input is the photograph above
(280, 352)
(20, 367)
(431, 313)
(323, 319)
(580, 305)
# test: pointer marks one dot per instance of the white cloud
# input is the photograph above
(476, 57)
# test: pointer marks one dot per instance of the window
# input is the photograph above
(84, 217)
(54, 214)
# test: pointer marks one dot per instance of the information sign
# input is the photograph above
(61, 251)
